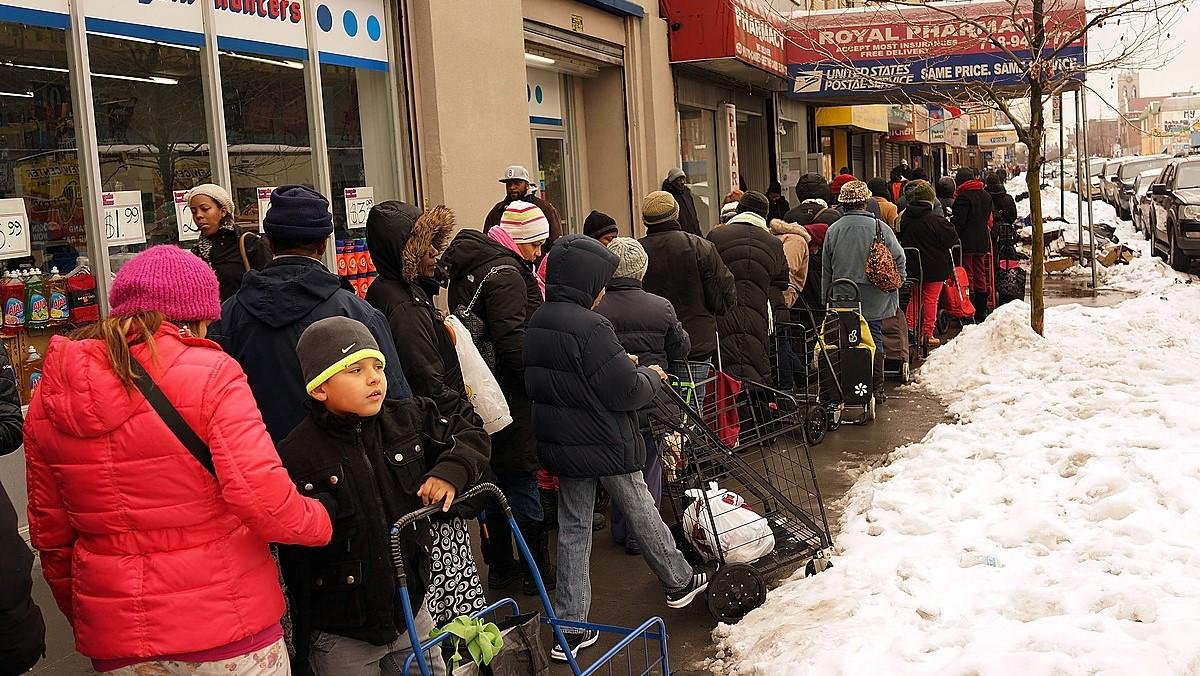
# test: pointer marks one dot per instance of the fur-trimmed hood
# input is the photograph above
(399, 234)
(781, 227)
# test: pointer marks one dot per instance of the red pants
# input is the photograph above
(930, 293)
(979, 271)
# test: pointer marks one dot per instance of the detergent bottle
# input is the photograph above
(37, 308)
(13, 293)
(56, 292)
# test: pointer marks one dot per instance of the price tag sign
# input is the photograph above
(264, 204)
(358, 204)
(183, 216)
(123, 219)
(14, 228)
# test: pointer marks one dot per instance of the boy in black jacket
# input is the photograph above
(377, 460)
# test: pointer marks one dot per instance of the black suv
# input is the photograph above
(1175, 213)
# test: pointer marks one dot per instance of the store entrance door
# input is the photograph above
(551, 173)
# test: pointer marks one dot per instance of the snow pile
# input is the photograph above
(1055, 529)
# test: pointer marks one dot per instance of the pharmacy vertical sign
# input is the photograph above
(732, 148)
(122, 217)
(358, 205)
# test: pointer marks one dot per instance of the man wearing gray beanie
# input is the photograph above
(647, 328)
(261, 323)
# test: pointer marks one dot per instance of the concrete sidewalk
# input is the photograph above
(625, 592)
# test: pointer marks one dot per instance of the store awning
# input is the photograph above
(738, 39)
(857, 118)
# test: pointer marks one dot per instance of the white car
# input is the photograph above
(1140, 205)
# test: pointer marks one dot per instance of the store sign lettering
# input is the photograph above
(282, 10)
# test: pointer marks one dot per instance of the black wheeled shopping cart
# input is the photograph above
(641, 650)
(845, 340)
(903, 347)
(810, 375)
(747, 498)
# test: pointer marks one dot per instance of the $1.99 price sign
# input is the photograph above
(183, 217)
(124, 222)
(358, 204)
(14, 228)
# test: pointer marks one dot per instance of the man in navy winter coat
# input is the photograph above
(586, 392)
(261, 324)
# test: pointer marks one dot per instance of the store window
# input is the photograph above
(698, 148)
(266, 124)
(41, 195)
(360, 132)
(152, 138)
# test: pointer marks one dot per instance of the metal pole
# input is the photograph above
(79, 66)
(210, 72)
(1091, 214)
(1062, 159)
(322, 174)
(1081, 149)
(1082, 180)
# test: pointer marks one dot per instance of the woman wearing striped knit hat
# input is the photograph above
(499, 265)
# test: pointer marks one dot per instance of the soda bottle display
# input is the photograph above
(37, 307)
(13, 293)
(56, 293)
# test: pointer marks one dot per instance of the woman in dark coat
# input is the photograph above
(932, 235)
(1004, 207)
(759, 267)
(405, 243)
(230, 252)
(509, 297)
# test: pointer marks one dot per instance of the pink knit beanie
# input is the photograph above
(169, 280)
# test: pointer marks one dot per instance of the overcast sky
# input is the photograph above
(1176, 59)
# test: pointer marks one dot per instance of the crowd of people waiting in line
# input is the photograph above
(316, 419)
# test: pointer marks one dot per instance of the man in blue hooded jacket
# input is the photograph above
(586, 392)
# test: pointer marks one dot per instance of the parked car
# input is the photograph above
(1108, 180)
(1095, 171)
(1175, 219)
(1140, 200)
(1126, 173)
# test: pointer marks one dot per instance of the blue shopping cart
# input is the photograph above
(650, 636)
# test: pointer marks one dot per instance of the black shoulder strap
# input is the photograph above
(175, 422)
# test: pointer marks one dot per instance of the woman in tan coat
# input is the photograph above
(795, 249)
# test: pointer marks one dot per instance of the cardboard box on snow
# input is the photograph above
(1059, 264)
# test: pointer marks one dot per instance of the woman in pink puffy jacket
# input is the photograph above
(157, 563)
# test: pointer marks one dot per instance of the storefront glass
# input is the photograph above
(698, 148)
(38, 161)
(150, 129)
(361, 138)
(266, 124)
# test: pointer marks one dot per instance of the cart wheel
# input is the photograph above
(835, 417)
(943, 322)
(905, 373)
(734, 591)
(870, 408)
(816, 422)
(816, 565)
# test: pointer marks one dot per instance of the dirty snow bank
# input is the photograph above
(1055, 529)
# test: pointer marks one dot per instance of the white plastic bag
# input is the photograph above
(744, 536)
(483, 392)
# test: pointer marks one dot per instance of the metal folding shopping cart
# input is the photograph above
(641, 650)
(746, 498)
(811, 375)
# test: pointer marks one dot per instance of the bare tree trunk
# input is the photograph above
(1033, 178)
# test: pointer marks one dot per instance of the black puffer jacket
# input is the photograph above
(398, 236)
(372, 469)
(226, 259)
(924, 230)
(645, 324)
(812, 186)
(756, 259)
(1004, 207)
(508, 300)
(972, 209)
(22, 629)
(688, 271)
(689, 220)
(585, 390)
(261, 324)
